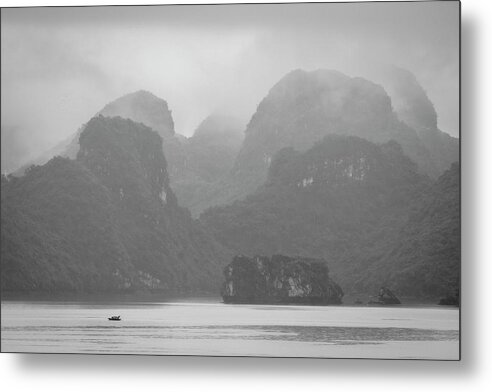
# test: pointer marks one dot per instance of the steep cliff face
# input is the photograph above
(106, 221)
(127, 158)
(279, 279)
(144, 107)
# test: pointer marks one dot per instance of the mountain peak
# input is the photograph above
(299, 81)
(410, 100)
(321, 74)
(227, 129)
(125, 154)
(303, 107)
(144, 107)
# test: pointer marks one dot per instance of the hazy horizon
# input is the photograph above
(62, 65)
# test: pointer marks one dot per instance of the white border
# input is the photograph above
(94, 373)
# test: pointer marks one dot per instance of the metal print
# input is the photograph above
(278, 180)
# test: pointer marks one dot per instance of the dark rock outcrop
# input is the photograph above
(451, 299)
(385, 297)
(279, 280)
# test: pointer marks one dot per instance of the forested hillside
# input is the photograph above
(106, 221)
(355, 204)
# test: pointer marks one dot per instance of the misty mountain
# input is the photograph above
(300, 110)
(12, 151)
(413, 106)
(212, 168)
(194, 164)
(351, 202)
(67, 148)
(107, 220)
(141, 107)
(329, 167)
(144, 107)
(220, 126)
(210, 156)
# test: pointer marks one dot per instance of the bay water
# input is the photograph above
(217, 329)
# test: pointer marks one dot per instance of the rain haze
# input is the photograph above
(62, 65)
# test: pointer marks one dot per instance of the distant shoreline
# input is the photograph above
(109, 297)
(191, 297)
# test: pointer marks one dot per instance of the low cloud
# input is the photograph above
(62, 65)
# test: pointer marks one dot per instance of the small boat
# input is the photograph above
(114, 318)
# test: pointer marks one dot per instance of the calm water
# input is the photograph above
(219, 329)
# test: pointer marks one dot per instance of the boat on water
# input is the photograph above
(114, 318)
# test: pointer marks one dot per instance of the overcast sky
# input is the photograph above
(62, 65)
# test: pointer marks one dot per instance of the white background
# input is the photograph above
(474, 372)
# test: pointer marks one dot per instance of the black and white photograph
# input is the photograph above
(232, 180)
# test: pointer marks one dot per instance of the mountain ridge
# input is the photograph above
(302, 108)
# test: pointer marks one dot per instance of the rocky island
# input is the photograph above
(385, 297)
(279, 280)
